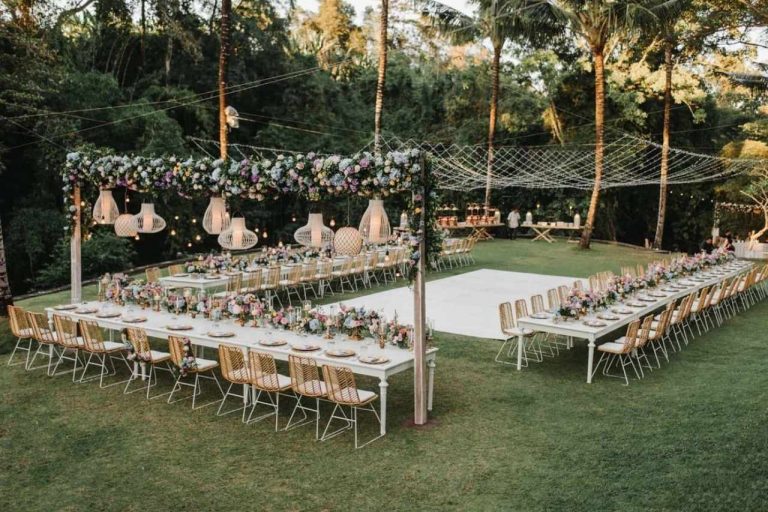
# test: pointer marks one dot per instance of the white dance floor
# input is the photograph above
(465, 304)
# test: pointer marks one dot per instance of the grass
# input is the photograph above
(691, 436)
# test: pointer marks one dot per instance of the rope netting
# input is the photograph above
(628, 161)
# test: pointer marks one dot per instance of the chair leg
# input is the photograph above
(18, 346)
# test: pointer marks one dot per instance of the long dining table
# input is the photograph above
(579, 329)
(203, 333)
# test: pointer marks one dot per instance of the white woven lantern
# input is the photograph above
(125, 225)
(314, 233)
(147, 221)
(105, 209)
(216, 218)
(347, 241)
(237, 237)
(375, 224)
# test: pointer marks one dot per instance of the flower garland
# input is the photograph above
(188, 362)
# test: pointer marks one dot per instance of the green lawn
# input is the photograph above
(692, 436)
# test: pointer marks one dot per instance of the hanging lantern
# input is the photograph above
(375, 225)
(147, 221)
(347, 241)
(314, 233)
(237, 237)
(216, 218)
(105, 209)
(125, 225)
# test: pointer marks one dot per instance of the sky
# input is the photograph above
(360, 5)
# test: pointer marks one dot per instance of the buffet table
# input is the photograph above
(543, 230)
(159, 324)
(478, 231)
(578, 329)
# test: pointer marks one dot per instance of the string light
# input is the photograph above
(197, 237)
(333, 222)
(173, 232)
(136, 237)
(189, 244)
(194, 221)
(265, 234)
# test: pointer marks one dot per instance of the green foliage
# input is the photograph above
(103, 252)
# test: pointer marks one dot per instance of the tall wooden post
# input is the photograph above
(420, 313)
(76, 294)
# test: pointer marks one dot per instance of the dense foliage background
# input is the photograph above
(136, 76)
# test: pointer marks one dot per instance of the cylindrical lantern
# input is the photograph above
(347, 241)
(528, 218)
(125, 225)
(314, 233)
(147, 221)
(216, 218)
(403, 220)
(237, 237)
(375, 225)
(577, 220)
(105, 209)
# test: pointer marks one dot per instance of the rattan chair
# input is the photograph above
(343, 392)
(657, 335)
(22, 331)
(342, 275)
(324, 276)
(45, 338)
(266, 381)
(70, 344)
(175, 269)
(252, 282)
(358, 272)
(290, 285)
(181, 356)
(619, 352)
(521, 311)
(553, 299)
(153, 275)
(102, 351)
(306, 384)
(236, 372)
(143, 356)
(308, 279)
(511, 336)
(269, 285)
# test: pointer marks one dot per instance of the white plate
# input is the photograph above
(179, 327)
(341, 352)
(108, 314)
(373, 359)
(540, 316)
(305, 348)
(273, 343)
(594, 323)
(221, 334)
(135, 319)
(65, 307)
(86, 311)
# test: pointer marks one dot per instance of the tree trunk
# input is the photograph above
(383, 23)
(168, 58)
(586, 234)
(6, 298)
(226, 10)
(497, 45)
(668, 65)
(143, 34)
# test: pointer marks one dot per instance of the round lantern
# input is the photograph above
(105, 209)
(125, 225)
(147, 221)
(237, 237)
(347, 241)
(216, 218)
(375, 225)
(314, 233)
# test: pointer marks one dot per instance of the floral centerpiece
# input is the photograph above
(578, 302)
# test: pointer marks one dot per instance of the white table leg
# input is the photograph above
(430, 383)
(590, 360)
(383, 385)
(520, 341)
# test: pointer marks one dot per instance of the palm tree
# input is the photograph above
(382, 76)
(599, 24)
(226, 12)
(499, 21)
(667, 12)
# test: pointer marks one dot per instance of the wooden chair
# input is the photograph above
(306, 384)
(144, 355)
(45, 338)
(69, 343)
(153, 275)
(619, 351)
(511, 335)
(521, 311)
(265, 380)
(236, 372)
(175, 269)
(22, 331)
(103, 351)
(343, 392)
(656, 337)
(182, 356)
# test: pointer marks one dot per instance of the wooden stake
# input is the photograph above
(74, 251)
(420, 313)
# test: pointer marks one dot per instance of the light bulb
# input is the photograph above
(136, 237)
(265, 234)
(197, 238)
(333, 222)
(173, 232)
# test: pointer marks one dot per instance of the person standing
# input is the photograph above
(513, 222)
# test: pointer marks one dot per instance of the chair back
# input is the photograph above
(644, 332)
(263, 371)
(66, 330)
(93, 338)
(19, 324)
(340, 382)
(662, 326)
(271, 278)
(553, 298)
(140, 342)
(521, 308)
(324, 269)
(537, 304)
(153, 275)
(578, 284)
(309, 270)
(506, 317)
(294, 274)
(175, 269)
(234, 283)
(305, 376)
(176, 348)
(563, 292)
(42, 333)
(252, 281)
(631, 338)
(232, 364)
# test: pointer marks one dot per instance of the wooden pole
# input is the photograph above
(74, 251)
(420, 313)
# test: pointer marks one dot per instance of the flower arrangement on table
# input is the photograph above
(579, 302)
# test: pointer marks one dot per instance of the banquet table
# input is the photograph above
(157, 326)
(543, 230)
(577, 328)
